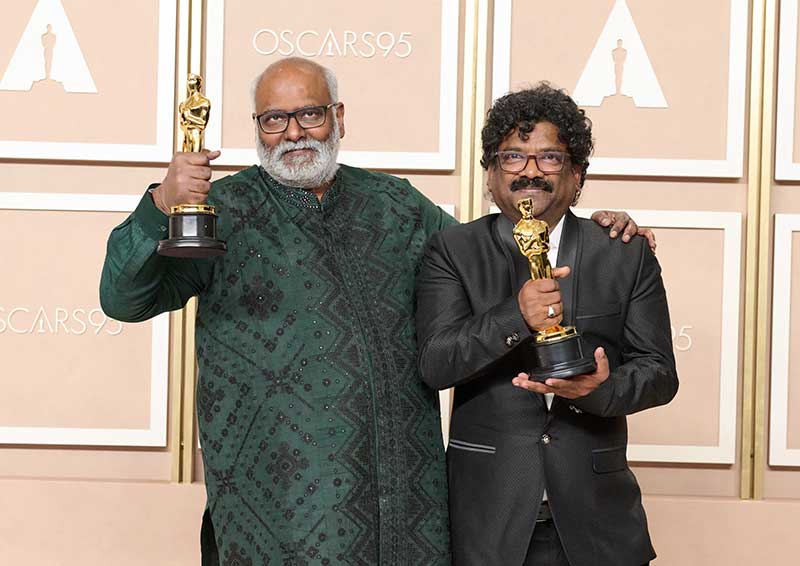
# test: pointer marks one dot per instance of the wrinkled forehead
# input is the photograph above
(290, 87)
(544, 135)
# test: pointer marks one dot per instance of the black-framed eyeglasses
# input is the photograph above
(546, 161)
(276, 121)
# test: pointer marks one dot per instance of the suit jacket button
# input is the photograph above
(512, 339)
(545, 439)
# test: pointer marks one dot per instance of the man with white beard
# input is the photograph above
(320, 442)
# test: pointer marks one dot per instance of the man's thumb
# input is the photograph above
(561, 272)
(601, 359)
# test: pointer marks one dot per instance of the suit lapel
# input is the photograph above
(500, 225)
(569, 254)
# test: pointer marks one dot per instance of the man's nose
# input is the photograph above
(294, 131)
(531, 169)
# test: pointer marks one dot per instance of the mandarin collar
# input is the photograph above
(303, 198)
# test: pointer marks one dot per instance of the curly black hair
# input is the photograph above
(525, 108)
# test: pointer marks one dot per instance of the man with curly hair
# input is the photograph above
(537, 471)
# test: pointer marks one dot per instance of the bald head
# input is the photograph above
(295, 71)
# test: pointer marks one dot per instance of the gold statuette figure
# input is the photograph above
(194, 114)
(533, 241)
(193, 227)
(557, 351)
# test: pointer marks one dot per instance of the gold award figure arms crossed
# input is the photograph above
(533, 241)
(194, 114)
(192, 227)
(557, 351)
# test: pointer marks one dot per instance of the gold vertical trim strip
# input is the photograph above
(763, 59)
(480, 105)
(176, 393)
(751, 248)
(195, 11)
(182, 67)
(470, 55)
(177, 331)
(196, 36)
(189, 381)
(764, 248)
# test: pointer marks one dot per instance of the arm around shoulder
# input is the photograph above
(647, 376)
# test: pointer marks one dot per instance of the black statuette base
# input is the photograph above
(191, 247)
(560, 359)
(192, 235)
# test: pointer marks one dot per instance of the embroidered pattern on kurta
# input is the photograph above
(320, 443)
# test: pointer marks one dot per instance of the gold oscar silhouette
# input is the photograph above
(558, 351)
(193, 227)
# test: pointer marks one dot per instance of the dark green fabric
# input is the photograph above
(321, 445)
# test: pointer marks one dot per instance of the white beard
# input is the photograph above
(310, 173)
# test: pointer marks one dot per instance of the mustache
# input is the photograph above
(286, 146)
(528, 183)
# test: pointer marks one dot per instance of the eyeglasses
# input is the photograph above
(276, 121)
(546, 161)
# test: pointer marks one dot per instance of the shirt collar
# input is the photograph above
(303, 198)
(555, 234)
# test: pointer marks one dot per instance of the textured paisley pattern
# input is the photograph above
(320, 443)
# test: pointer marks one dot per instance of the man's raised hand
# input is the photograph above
(188, 180)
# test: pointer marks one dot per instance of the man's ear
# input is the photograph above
(340, 117)
(487, 188)
(577, 170)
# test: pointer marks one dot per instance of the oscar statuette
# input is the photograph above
(558, 351)
(193, 227)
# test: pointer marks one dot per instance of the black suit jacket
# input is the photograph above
(505, 446)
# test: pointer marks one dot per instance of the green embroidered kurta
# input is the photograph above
(321, 445)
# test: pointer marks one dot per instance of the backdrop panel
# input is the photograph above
(661, 103)
(88, 380)
(397, 66)
(784, 439)
(787, 134)
(700, 257)
(87, 80)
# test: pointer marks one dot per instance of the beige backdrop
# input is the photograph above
(117, 505)
(690, 63)
(80, 368)
(793, 421)
(387, 107)
(796, 137)
(692, 418)
(122, 57)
